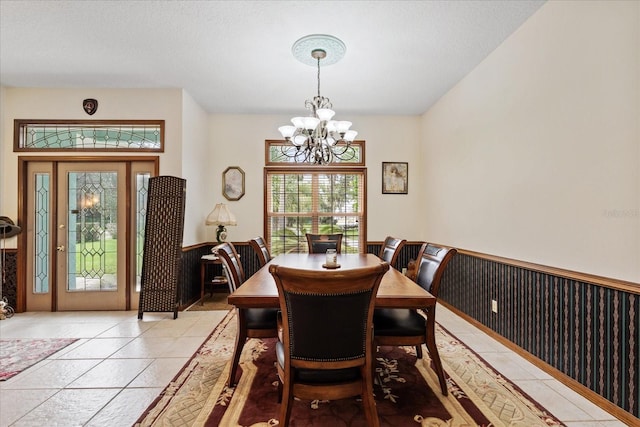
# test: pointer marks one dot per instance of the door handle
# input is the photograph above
(60, 248)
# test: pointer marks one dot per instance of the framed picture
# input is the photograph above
(233, 183)
(395, 177)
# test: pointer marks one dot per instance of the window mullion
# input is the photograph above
(315, 203)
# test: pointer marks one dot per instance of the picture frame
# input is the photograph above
(395, 178)
(233, 183)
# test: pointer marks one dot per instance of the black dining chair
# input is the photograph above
(325, 349)
(252, 322)
(403, 326)
(260, 248)
(391, 249)
(319, 243)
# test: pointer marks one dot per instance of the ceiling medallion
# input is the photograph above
(332, 46)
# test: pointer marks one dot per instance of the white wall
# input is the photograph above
(239, 140)
(535, 155)
(2, 155)
(198, 147)
(392, 139)
(138, 104)
(196, 151)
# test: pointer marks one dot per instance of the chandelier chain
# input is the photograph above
(318, 77)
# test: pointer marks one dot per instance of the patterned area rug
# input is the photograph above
(407, 391)
(16, 355)
(212, 301)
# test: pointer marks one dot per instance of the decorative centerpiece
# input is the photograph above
(332, 259)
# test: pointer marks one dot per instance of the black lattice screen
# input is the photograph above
(162, 257)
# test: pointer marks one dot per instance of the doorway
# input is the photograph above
(85, 232)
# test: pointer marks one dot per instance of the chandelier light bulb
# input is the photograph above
(310, 123)
(343, 126)
(325, 114)
(298, 122)
(287, 131)
(299, 140)
(350, 135)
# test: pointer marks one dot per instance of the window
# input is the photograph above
(41, 232)
(85, 135)
(300, 198)
(324, 201)
(283, 152)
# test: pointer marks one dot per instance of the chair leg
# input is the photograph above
(419, 351)
(374, 358)
(241, 338)
(368, 402)
(433, 352)
(285, 405)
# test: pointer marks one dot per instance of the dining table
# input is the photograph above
(395, 291)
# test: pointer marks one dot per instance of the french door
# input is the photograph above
(85, 234)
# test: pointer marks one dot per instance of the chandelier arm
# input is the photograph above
(340, 148)
(298, 154)
(329, 154)
(348, 153)
(306, 153)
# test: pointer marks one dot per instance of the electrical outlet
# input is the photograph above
(494, 306)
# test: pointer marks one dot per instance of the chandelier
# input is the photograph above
(317, 138)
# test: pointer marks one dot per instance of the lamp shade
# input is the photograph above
(221, 215)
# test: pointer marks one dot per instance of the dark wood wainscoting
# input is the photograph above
(8, 276)
(588, 332)
(190, 289)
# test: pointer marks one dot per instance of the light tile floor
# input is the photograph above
(119, 365)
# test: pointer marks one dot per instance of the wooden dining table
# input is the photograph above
(395, 291)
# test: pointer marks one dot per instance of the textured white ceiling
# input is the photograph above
(235, 56)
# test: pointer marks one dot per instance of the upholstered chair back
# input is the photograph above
(231, 261)
(391, 249)
(319, 243)
(260, 248)
(432, 261)
(329, 314)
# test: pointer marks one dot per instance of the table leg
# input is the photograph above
(241, 338)
(203, 271)
(433, 349)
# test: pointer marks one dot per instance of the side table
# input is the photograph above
(205, 261)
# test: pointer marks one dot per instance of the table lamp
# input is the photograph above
(221, 216)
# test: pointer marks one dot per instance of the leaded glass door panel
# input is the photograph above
(91, 236)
